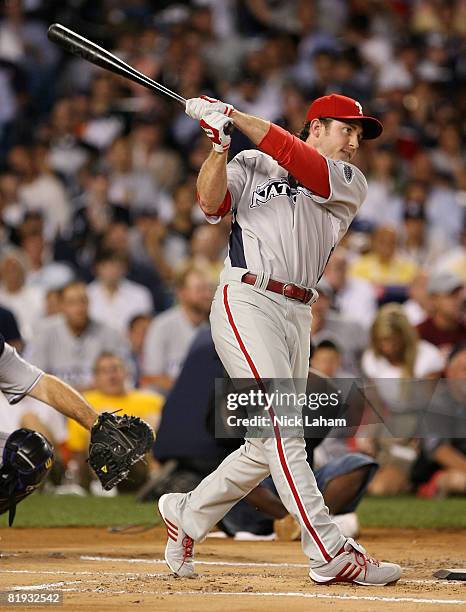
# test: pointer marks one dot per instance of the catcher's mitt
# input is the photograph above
(116, 443)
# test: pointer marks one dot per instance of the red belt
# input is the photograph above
(289, 290)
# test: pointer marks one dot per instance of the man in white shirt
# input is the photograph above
(113, 299)
(25, 301)
(171, 333)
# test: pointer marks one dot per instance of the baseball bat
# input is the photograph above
(86, 49)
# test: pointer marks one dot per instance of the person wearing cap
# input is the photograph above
(291, 202)
(444, 327)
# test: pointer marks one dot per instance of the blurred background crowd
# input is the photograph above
(107, 266)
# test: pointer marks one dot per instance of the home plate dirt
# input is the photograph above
(98, 570)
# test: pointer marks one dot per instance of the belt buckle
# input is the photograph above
(285, 286)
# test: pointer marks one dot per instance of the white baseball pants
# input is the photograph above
(261, 334)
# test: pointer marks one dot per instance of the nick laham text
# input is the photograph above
(284, 421)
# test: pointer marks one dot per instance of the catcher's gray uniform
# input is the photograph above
(285, 234)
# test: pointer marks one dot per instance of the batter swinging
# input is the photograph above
(292, 201)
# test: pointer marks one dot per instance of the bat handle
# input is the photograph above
(229, 128)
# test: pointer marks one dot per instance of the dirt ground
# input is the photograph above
(98, 570)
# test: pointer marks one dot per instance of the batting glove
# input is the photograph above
(213, 125)
(198, 107)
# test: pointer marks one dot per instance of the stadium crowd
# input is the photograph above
(107, 265)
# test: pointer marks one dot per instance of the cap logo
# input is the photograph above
(359, 107)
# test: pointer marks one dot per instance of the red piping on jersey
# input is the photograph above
(222, 210)
(278, 439)
(300, 159)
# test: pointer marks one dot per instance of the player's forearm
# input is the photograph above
(65, 399)
(254, 128)
(212, 182)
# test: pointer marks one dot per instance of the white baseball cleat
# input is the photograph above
(179, 548)
(352, 564)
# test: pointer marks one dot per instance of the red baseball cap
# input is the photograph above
(339, 107)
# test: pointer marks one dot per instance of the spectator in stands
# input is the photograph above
(102, 124)
(395, 353)
(68, 344)
(441, 467)
(147, 243)
(423, 249)
(445, 326)
(174, 239)
(129, 187)
(137, 331)
(92, 215)
(113, 299)
(26, 301)
(111, 392)
(384, 266)
(12, 209)
(117, 239)
(171, 333)
(383, 205)
(326, 360)
(53, 302)
(455, 260)
(67, 153)
(348, 335)
(418, 305)
(352, 297)
(151, 155)
(43, 271)
(39, 189)
(207, 246)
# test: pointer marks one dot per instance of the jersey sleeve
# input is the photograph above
(236, 182)
(348, 189)
(17, 376)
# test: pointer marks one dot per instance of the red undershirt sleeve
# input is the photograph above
(223, 209)
(307, 165)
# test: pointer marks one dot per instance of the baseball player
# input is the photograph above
(27, 456)
(291, 202)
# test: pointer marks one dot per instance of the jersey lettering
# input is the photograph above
(271, 189)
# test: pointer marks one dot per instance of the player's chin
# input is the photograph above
(346, 156)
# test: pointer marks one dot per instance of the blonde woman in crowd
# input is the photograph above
(395, 357)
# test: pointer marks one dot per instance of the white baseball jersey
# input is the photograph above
(287, 232)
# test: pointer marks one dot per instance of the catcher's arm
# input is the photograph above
(65, 399)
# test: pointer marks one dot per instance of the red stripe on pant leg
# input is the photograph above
(278, 439)
(298, 501)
